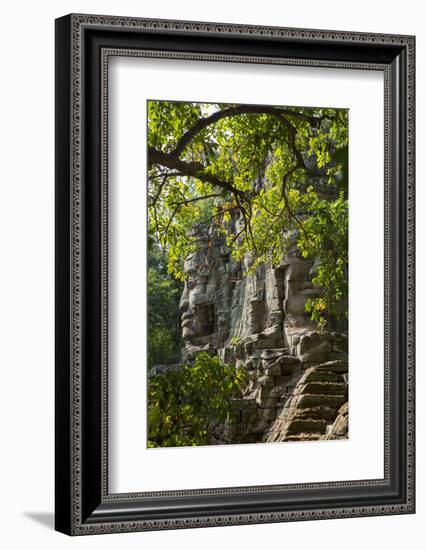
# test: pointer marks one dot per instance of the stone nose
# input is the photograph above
(183, 304)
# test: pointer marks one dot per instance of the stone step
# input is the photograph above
(307, 425)
(338, 367)
(329, 400)
(334, 388)
(310, 436)
(320, 412)
(323, 376)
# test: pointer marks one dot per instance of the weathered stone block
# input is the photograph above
(273, 354)
(290, 369)
(228, 355)
(231, 429)
(234, 417)
(313, 347)
(288, 360)
(252, 415)
(339, 342)
(268, 414)
(266, 381)
(273, 370)
(319, 353)
(258, 427)
(267, 403)
(242, 404)
(277, 391)
(267, 342)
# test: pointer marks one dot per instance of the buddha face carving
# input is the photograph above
(197, 309)
(219, 303)
(199, 301)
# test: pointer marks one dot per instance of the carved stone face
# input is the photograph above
(197, 309)
(199, 302)
(298, 287)
(219, 303)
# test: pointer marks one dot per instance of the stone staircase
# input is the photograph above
(314, 403)
(292, 395)
(271, 372)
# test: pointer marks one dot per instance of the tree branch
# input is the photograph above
(187, 201)
(193, 169)
(284, 195)
(235, 111)
(155, 198)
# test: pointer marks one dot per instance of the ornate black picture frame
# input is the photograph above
(84, 44)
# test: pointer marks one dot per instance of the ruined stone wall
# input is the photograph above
(298, 377)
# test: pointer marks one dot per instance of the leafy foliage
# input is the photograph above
(186, 405)
(278, 169)
(325, 237)
(164, 292)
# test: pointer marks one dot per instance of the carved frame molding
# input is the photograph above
(84, 43)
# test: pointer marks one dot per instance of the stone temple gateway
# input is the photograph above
(298, 376)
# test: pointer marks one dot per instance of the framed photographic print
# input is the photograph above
(234, 274)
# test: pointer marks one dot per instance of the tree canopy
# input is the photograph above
(282, 169)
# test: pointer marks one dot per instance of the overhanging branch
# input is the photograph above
(193, 169)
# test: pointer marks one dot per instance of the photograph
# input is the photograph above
(248, 272)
